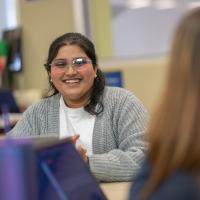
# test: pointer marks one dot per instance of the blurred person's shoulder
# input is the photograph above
(181, 185)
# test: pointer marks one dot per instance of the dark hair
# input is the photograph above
(88, 47)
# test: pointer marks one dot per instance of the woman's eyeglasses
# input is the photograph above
(76, 63)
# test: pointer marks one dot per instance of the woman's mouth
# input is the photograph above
(72, 81)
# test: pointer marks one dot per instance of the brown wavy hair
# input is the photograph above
(174, 131)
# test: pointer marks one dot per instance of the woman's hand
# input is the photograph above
(74, 138)
(81, 150)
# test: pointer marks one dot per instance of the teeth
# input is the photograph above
(72, 81)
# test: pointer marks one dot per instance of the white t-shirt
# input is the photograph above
(77, 121)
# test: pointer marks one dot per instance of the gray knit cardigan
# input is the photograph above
(118, 137)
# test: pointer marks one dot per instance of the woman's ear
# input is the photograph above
(49, 74)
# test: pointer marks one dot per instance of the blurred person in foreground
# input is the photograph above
(172, 168)
(110, 122)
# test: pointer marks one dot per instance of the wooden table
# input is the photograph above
(116, 191)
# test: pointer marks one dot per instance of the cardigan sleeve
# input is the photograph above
(28, 124)
(41, 118)
(129, 125)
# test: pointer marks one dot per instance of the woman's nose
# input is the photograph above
(70, 70)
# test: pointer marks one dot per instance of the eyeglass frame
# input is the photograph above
(66, 63)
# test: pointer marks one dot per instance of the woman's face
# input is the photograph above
(73, 81)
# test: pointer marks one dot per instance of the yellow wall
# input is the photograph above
(42, 21)
(145, 78)
(101, 27)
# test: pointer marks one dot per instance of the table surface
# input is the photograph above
(116, 191)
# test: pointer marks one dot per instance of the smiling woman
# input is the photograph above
(80, 82)
(107, 124)
(74, 81)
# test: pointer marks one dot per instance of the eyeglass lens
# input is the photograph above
(76, 63)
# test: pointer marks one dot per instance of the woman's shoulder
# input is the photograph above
(123, 97)
(116, 90)
(44, 103)
(181, 184)
(119, 94)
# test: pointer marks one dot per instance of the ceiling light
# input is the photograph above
(164, 4)
(193, 4)
(133, 4)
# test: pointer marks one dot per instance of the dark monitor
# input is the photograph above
(63, 175)
(13, 37)
(8, 100)
(114, 78)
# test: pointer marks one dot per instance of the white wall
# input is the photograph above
(146, 31)
(8, 17)
(2, 17)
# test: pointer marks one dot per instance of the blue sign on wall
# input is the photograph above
(114, 78)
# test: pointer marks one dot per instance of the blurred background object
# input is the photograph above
(3, 61)
(18, 170)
